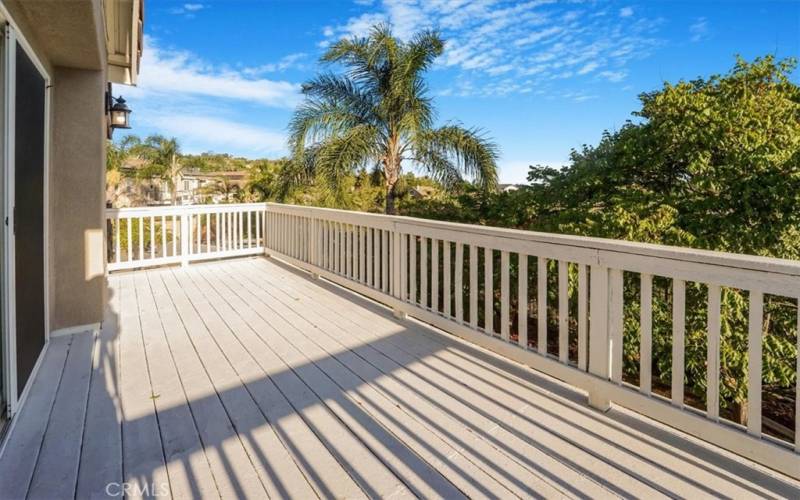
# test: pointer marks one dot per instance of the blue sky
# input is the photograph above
(540, 77)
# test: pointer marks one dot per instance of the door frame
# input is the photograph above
(13, 37)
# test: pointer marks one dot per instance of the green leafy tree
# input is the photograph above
(162, 158)
(116, 155)
(378, 115)
(712, 163)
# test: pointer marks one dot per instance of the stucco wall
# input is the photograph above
(77, 193)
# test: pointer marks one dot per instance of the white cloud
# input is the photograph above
(188, 9)
(699, 29)
(180, 73)
(207, 133)
(291, 61)
(588, 68)
(533, 41)
(613, 76)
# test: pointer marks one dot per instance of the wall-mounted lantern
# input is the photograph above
(118, 112)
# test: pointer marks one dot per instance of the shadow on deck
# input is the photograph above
(246, 378)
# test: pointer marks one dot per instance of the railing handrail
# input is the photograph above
(700, 256)
(179, 234)
(176, 209)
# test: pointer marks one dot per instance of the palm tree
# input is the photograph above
(378, 114)
(116, 156)
(163, 159)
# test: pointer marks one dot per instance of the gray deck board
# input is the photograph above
(21, 450)
(247, 378)
(57, 467)
(101, 453)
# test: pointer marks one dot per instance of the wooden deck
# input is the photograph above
(247, 378)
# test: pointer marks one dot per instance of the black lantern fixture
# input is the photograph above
(118, 112)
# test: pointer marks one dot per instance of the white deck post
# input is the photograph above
(185, 235)
(599, 352)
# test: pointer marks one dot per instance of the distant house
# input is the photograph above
(196, 186)
(193, 186)
(506, 188)
(422, 192)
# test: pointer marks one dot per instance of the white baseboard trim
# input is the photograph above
(71, 330)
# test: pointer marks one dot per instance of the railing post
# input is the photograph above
(185, 235)
(396, 259)
(599, 352)
(267, 231)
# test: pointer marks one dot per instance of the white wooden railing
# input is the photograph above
(155, 236)
(408, 263)
(439, 273)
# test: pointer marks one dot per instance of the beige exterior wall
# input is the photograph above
(77, 198)
(68, 37)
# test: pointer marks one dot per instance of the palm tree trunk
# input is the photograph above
(391, 195)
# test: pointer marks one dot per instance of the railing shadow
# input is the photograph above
(102, 453)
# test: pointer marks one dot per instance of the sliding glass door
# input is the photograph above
(23, 172)
(29, 168)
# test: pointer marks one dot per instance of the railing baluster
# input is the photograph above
(712, 361)
(117, 224)
(152, 237)
(337, 254)
(140, 256)
(199, 226)
(189, 220)
(342, 235)
(563, 311)
(447, 278)
(541, 303)
(522, 301)
(504, 294)
(174, 235)
(678, 330)
(615, 325)
(370, 258)
(488, 291)
(330, 244)
(646, 340)
(412, 268)
(754, 361)
(385, 261)
(163, 236)
(249, 231)
(435, 274)
(129, 227)
(583, 317)
(459, 284)
(362, 254)
(240, 230)
(403, 274)
(797, 385)
(473, 286)
(423, 271)
(217, 236)
(348, 251)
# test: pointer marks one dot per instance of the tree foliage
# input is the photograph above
(378, 115)
(712, 163)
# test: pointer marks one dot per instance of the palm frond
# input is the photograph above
(340, 156)
(468, 149)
